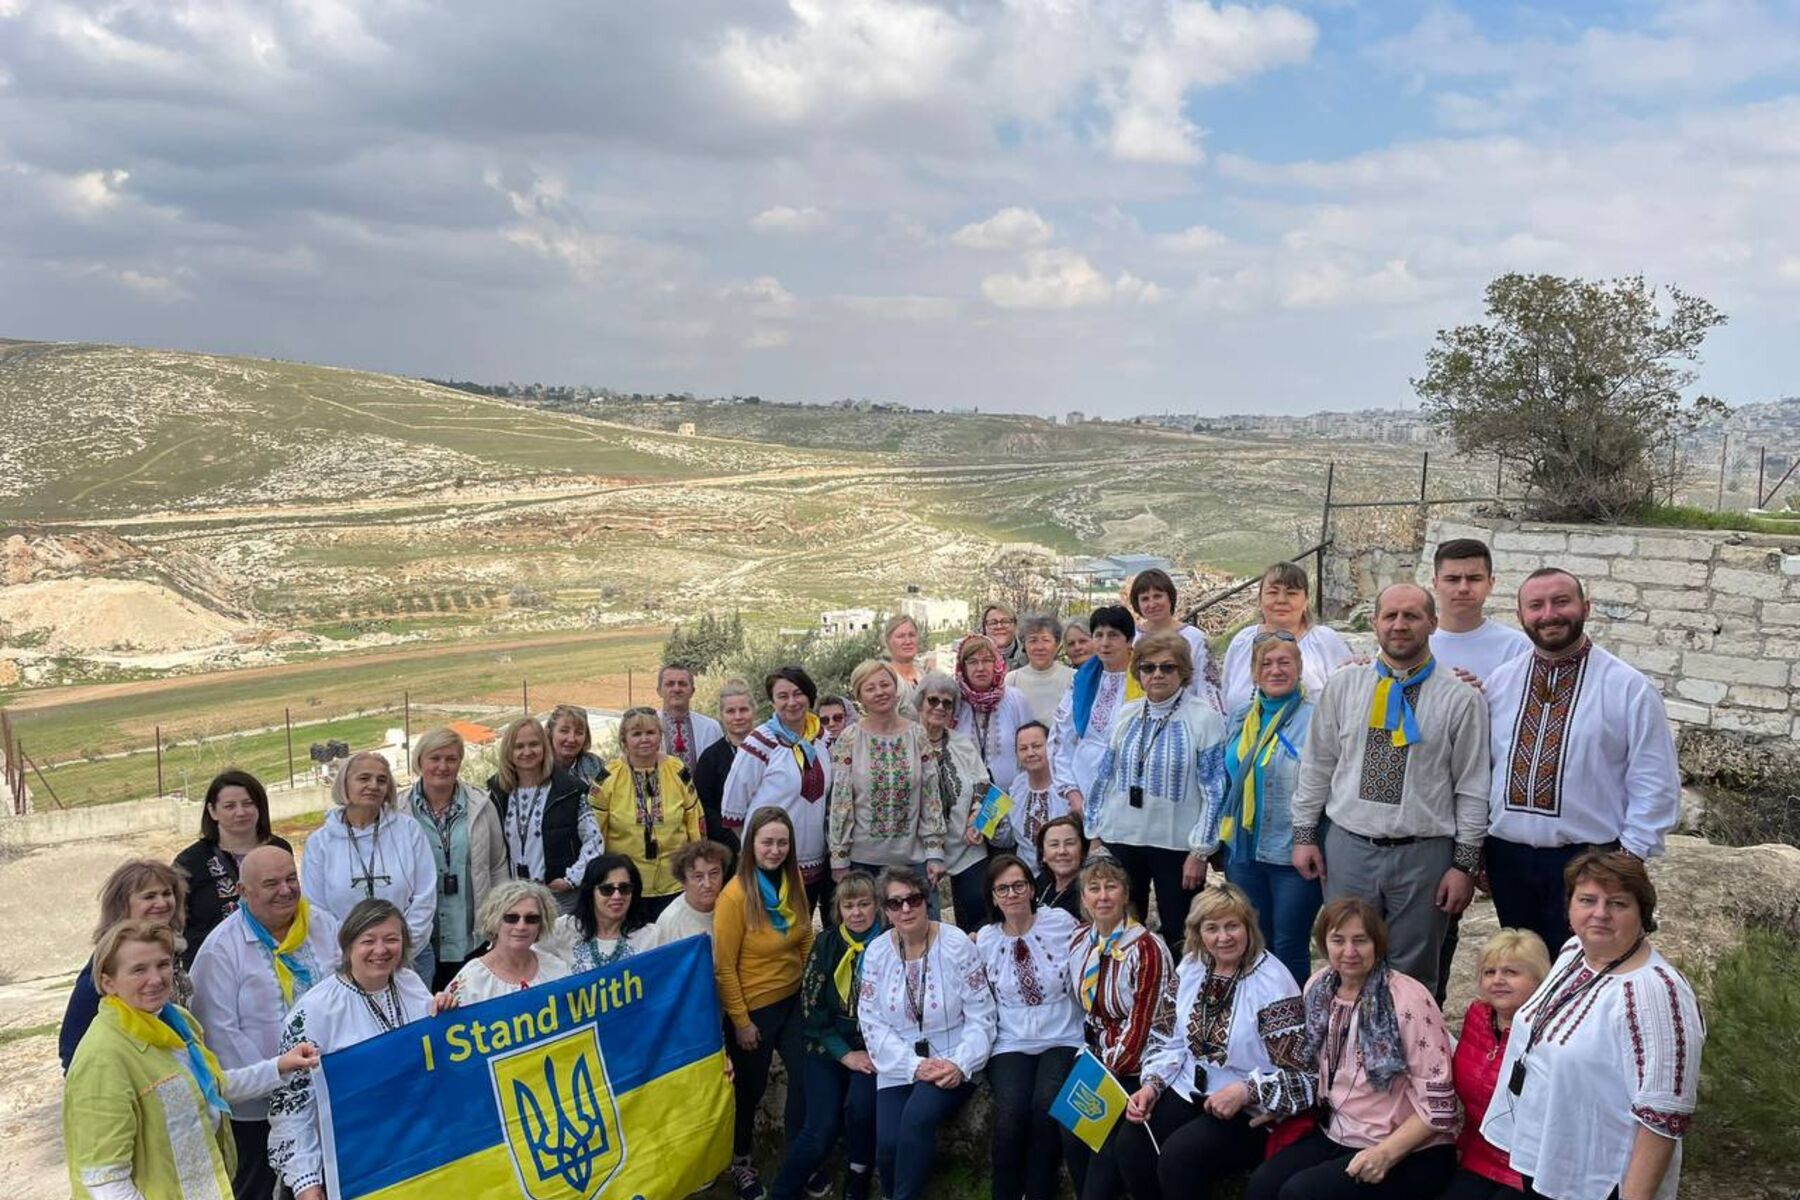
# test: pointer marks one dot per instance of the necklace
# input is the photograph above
(388, 1015)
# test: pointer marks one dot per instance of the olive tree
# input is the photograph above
(1577, 385)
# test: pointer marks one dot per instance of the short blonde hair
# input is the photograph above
(509, 778)
(1216, 903)
(634, 717)
(1104, 866)
(1520, 946)
(340, 786)
(122, 933)
(571, 712)
(894, 624)
(736, 686)
(1262, 643)
(867, 669)
(1170, 643)
(433, 740)
(507, 893)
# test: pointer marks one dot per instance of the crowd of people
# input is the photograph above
(1184, 840)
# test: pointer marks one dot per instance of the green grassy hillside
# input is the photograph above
(98, 431)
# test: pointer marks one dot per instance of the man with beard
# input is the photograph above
(1396, 761)
(1582, 758)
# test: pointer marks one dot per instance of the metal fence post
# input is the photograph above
(159, 774)
(1324, 536)
(287, 718)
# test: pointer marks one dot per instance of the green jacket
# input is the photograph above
(127, 1106)
(829, 1027)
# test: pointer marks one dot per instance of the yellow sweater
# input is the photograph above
(614, 800)
(755, 966)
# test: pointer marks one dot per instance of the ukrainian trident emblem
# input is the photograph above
(562, 1122)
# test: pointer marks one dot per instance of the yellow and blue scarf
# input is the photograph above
(173, 1030)
(805, 749)
(1390, 709)
(850, 965)
(1086, 687)
(1098, 950)
(776, 901)
(1244, 763)
(289, 970)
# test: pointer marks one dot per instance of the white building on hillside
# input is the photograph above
(846, 622)
(934, 615)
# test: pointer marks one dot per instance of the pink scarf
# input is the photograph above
(985, 700)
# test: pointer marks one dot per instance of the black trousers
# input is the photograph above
(779, 1027)
(1027, 1147)
(1467, 1185)
(1151, 866)
(1528, 887)
(1198, 1150)
(254, 1179)
(1313, 1169)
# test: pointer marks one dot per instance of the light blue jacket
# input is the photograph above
(1281, 778)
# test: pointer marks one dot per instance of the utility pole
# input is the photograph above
(159, 774)
(287, 717)
(1724, 446)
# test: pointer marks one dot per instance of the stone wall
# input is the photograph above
(1712, 617)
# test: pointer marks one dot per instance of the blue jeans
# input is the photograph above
(835, 1096)
(906, 1128)
(1286, 904)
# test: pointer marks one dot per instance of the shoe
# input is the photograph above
(857, 1184)
(818, 1185)
(744, 1181)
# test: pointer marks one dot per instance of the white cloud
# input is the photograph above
(1130, 288)
(1051, 279)
(1202, 46)
(783, 219)
(1008, 229)
(903, 308)
(767, 339)
(1195, 239)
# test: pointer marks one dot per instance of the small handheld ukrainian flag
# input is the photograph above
(995, 804)
(1091, 1101)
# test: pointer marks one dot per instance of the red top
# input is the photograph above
(1477, 1070)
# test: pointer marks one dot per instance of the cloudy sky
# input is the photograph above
(1113, 205)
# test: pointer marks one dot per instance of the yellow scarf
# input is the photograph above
(283, 953)
(1098, 949)
(155, 1031)
(845, 975)
(1255, 750)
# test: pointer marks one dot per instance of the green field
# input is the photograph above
(213, 705)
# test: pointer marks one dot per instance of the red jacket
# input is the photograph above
(1477, 1072)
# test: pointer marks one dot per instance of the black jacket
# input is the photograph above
(562, 817)
(212, 876)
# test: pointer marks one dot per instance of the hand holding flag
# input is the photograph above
(1091, 1101)
(994, 806)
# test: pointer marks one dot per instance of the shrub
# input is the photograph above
(1749, 1090)
(829, 662)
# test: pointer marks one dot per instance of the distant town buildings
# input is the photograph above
(1113, 569)
(1075, 417)
(935, 615)
(845, 622)
(685, 429)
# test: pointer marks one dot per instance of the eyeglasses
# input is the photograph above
(1001, 622)
(1274, 635)
(1158, 668)
(908, 902)
(1017, 887)
(614, 889)
(529, 918)
(938, 702)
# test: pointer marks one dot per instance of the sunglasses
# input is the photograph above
(1274, 635)
(1017, 887)
(614, 889)
(938, 702)
(529, 918)
(908, 902)
(1158, 668)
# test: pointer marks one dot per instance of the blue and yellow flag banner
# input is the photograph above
(606, 1084)
(1091, 1101)
(995, 804)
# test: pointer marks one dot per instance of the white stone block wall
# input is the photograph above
(1712, 617)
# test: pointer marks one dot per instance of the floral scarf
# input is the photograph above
(982, 700)
(1377, 1025)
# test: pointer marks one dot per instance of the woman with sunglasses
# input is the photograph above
(647, 808)
(514, 918)
(1282, 605)
(1025, 951)
(1253, 818)
(928, 1017)
(1164, 766)
(609, 922)
(962, 779)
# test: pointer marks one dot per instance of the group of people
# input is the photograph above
(1069, 789)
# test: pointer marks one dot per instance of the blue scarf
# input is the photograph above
(804, 748)
(290, 973)
(1087, 687)
(775, 901)
(1390, 709)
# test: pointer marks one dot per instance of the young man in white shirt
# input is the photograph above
(1471, 647)
(1582, 757)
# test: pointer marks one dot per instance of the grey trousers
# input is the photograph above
(1400, 881)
